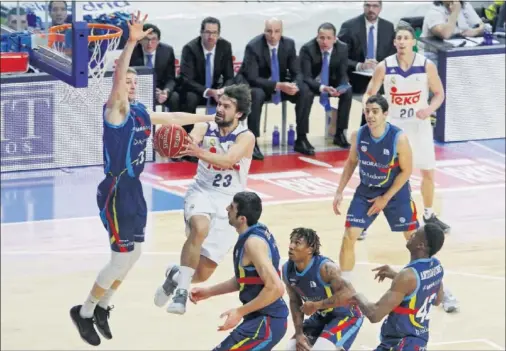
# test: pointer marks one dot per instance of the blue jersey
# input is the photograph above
(250, 283)
(411, 317)
(310, 286)
(378, 162)
(125, 145)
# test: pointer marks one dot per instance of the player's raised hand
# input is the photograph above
(338, 198)
(233, 318)
(383, 272)
(199, 294)
(135, 27)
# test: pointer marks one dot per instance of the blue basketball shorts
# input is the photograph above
(257, 333)
(408, 343)
(341, 331)
(400, 211)
(123, 211)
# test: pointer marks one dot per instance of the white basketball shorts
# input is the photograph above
(222, 236)
(421, 138)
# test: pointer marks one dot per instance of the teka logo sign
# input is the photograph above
(27, 114)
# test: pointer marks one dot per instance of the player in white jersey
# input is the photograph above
(407, 79)
(225, 149)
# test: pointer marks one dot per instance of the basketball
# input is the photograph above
(170, 140)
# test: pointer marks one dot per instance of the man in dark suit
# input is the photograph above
(153, 54)
(268, 59)
(370, 40)
(206, 68)
(324, 64)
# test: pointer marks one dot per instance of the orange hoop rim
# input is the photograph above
(117, 34)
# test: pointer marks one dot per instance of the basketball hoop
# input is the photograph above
(102, 39)
(13, 62)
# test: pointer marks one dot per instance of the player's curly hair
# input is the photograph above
(242, 95)
(435, 238)
(309, 235)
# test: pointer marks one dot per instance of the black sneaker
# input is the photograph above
(85, 326)
(101, 316)
(434, 220)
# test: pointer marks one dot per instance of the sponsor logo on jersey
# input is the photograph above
(404, 99)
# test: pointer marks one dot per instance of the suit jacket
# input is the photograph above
(193, 66)
(353, 33)
(165, 67)
(311, 60)
(256, 67)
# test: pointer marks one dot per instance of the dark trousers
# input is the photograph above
(302, 101)
(189, 103)
(343, 109)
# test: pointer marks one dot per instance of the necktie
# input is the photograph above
(276, 97)
(370, 43)
(209, 82)
(149, 64)
(324, 80)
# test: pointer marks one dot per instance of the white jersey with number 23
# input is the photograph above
(407, 92)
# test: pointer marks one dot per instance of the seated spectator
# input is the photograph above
(57, 12)
(324, 63)
(448, 18)
(271, 68)
(370, 40)
(206, 68)
(153, 54)
(16, 19)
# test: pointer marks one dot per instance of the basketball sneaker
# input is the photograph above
(164, 292)
(178, 305)
(450, 303)
(85, 326)
(434, 220)
(362, 235)
(101, 316)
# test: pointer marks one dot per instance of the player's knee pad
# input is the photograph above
(136, 254)
(323, 344)
(118, 267)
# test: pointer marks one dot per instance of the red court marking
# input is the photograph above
(288, 178)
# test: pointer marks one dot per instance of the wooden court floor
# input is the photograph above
(49, 266)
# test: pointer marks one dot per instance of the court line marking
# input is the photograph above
(347, 196)
(441, 343)
(177, 253)
(489, 149)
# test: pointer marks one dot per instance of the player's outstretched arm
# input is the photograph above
(405, 164)
(342, 290)
(376, 81)
(403, 285)
(117, 106)
(257, 251)
(242, 148)
(225, 287)
(435, 86)
(179, 118)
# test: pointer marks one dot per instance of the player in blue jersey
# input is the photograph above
(316, 289)
(414, 290)
(257, 278)
(383, 155)
(127, 127)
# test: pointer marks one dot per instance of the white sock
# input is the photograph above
(88, 307)
(428, 212)
(346, 275)
(104, 301)
(185, 277)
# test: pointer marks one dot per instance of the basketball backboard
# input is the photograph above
(73, 52)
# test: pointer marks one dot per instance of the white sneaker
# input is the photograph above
(362, 235)
(178, 304)
(163, 293)
(450, 303)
